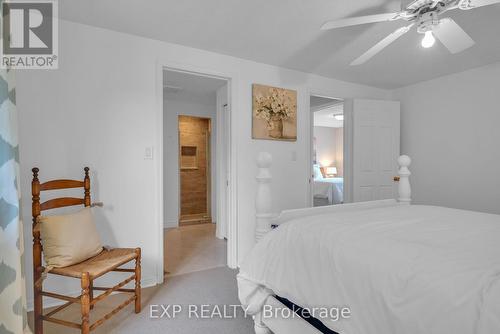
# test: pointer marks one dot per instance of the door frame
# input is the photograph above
(347, 145)
(223, 122)
(231, 158)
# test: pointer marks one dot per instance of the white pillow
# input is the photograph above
(317, 172)
(69, 239)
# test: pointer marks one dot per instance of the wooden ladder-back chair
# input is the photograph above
(88, 270)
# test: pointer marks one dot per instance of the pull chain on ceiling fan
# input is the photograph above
(424, 14)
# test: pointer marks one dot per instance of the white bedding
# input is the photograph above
(331, 188)
(401, 269)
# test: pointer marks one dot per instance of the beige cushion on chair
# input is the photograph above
(69, 239)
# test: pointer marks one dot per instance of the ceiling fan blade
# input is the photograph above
(381, 45)
(471, 4)
(353, 21)
(452, 36)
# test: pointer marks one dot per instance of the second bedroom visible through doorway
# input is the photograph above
(328, 150)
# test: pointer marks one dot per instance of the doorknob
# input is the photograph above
(396, 178)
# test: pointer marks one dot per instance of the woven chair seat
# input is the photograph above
(98, 265)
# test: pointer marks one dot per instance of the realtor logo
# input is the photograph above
(29, 34)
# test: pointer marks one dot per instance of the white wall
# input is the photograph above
(101, 107)
(450, 129)
(339, 151)
(325, 145)
(174, 106)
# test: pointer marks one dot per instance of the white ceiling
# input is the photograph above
(186, 86)
(286, 33)
(324, 116)
(320, 102)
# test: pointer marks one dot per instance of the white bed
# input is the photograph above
(399, 268)
(331, 189)
(327, 190)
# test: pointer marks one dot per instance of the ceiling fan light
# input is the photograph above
(428, 40)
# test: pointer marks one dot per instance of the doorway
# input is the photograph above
(327, 160)
(195, 145)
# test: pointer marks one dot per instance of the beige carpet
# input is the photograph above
(193, 248)
(213, 287)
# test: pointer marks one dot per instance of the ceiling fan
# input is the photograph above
(424, 14)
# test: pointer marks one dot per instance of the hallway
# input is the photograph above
(192, 248)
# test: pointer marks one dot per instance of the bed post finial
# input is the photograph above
(404, 188)
(263, 198)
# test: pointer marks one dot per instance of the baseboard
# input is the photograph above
(145, 283)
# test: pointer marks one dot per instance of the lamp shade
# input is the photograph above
(331, 170)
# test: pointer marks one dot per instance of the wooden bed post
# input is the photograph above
(263, 199)
(404, 188)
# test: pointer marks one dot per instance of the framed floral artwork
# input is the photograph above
(274, 113)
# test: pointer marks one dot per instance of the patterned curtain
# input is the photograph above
(12, 282)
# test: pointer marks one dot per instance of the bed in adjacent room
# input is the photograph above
(327, 190)
(398, 268)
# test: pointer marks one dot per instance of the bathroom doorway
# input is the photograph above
(194, 170)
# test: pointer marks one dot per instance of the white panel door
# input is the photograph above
(376, 132)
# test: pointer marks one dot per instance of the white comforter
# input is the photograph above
(401, 270)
